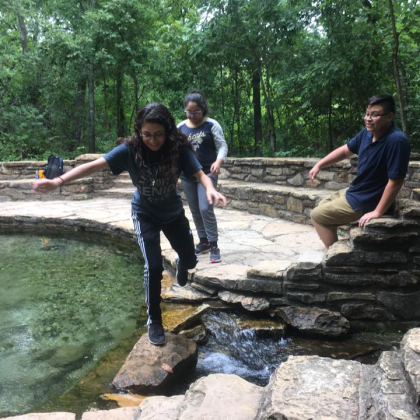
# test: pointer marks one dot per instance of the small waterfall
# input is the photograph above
(239, 352)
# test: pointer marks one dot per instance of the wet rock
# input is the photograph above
(184, 294)
(220, 396)
(405, 305)
(198, 334)
(156, 408)
(43, 416)
(263, 328)
(384, 391)
(410, 353)
(312, 387)
(250, 303)
(305, 297)
(178, 320)
(314, 320)
(128, 413)
(125, 400)
(365, 310)
(365, 278)
(143, 370)
(66, 355)
(341, 254)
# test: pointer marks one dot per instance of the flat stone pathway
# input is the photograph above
(245, 240)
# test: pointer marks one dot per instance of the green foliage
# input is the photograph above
(316, 61)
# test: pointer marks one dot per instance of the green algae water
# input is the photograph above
(64, 304)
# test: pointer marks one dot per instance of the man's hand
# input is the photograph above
(313, 172)
(369, 216)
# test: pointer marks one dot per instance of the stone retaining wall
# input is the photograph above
(294, 172)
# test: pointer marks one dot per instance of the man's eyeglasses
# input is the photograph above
(373, 115)
(192, 113)
(148, 136)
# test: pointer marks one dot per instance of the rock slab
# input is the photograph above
(150, 368)
(314, 320)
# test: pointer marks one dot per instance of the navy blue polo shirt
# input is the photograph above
(378, 161)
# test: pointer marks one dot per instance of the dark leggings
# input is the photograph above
(180, 237)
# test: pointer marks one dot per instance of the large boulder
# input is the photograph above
(150, 368)
(214, 397)
(410, 353)
(312, 387)
(384, 390)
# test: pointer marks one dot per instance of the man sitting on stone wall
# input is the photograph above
(383, 155)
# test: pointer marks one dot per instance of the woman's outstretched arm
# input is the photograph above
(47, 185)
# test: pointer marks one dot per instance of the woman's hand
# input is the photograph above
(44, 185)
(215, 167)
(215, 197)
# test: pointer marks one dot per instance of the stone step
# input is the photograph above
(286, 202)
(416, 194)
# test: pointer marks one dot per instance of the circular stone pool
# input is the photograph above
(64, 304)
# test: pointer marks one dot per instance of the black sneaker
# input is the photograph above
(202, 248)
(181, 274)
(215, 255)
(156, 333)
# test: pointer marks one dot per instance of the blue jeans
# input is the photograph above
(202, 212)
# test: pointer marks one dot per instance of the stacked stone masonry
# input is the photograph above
(372, 278)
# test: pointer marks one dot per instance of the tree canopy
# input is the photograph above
(283, 77)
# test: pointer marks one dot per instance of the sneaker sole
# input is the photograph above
(215, 261)
(206, 251)
(157, 344)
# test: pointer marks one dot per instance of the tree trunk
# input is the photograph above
(79, 111)
(330, 97)
(256, 100)
(396, 69)
(23, 34)
(120, 109)
(108, 127)
(92, 135)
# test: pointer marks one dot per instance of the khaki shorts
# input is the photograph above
(335, 211)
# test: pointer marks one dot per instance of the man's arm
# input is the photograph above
(388, 197)
(335, 156)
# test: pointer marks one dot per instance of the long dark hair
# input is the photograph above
(156, 112)
(199, 99)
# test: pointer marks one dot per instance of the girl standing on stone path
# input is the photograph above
(209, 144)
(154, 157)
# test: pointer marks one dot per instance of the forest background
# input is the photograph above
(283, 77)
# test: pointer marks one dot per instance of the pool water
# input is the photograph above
(64, 304)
